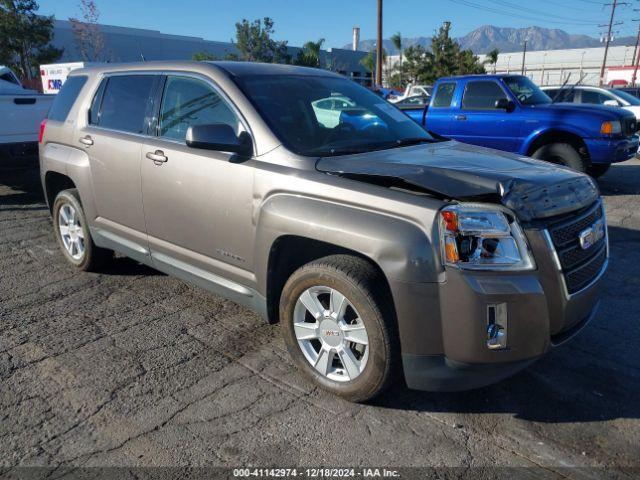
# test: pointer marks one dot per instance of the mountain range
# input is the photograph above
(486, 38)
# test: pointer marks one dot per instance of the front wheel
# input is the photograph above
(561, 154)
(339, 326)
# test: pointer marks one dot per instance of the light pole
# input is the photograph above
(582, 63)
(544, 60)
(524, 56)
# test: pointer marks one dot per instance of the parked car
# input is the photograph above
(372, 248)
(635, 91)
(511, 113)
(21, 111)
(611, 97)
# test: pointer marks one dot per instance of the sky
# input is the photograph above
(298, 21)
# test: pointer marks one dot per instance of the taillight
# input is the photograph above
(43, 124)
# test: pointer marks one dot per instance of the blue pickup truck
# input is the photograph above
(510, 113)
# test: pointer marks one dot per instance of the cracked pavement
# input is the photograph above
(130, 367)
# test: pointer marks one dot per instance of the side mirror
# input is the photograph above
(220, 137)
(611, 103)
(505, 104)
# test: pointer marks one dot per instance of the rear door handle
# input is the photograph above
(158, 157)
(86, 140)
(461, 117)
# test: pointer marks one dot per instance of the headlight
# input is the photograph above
(483, 237)
(611, 128)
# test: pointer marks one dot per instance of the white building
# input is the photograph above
(552, 67)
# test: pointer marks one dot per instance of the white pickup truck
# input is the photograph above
(21, 112)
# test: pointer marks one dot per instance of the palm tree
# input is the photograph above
(369, 62)
(309, 56)
(492, 58)
(396, 39)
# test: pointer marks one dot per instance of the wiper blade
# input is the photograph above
(403, 142)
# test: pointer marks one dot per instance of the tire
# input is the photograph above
(368, 308)
(562, 154)
(86, 256)
(598, 169)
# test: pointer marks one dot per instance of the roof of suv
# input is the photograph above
(237, 69)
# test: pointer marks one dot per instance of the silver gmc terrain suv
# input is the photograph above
(381, 249)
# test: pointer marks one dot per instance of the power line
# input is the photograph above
(543, 18)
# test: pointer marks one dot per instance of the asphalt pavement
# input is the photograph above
(131, 368)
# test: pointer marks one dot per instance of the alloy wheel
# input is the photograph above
(331, 334)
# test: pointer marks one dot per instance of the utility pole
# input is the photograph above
(636, 57)
(378, 79)
(524, 55)
(614, 5)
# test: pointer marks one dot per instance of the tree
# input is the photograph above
(203, 57)
(25, 37)
(444, 59)
(86, 32)
(253, 40)
(396, 40)
(309, 56)
(417, 66)
(492, 58)
(369, 62)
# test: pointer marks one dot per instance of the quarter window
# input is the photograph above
(66, 98)
(125, 102)
(189, 101)
(444, 95)
(482, 95)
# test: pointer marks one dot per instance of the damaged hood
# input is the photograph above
(531, 188)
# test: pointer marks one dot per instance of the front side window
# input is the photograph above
(527, 92)
(482, 95)
(125, 102)
(444, 95)
(360, 121)
(593, 97)
(189, 101)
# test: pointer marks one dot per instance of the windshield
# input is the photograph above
(627, 97)
(527, 92)
(323, 116)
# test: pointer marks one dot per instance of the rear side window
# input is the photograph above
(482, 95)
(125, 102)
(444, 95)
(66, 98)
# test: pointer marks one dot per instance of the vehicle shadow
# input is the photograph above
(623, 179)
(593, 377)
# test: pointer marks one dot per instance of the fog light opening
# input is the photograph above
(497, 326)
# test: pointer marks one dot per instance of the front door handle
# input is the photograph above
(86, 140)
(158, 157)
(462, 118)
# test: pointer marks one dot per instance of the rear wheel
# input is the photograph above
(339, 326)
(561, 154)
(72, 232)
(598, 169)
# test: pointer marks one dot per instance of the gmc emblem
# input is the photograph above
(591, 235)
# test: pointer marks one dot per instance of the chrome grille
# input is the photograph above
(579, 266)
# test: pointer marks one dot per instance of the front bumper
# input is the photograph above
(608, 150)
(443, 326)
